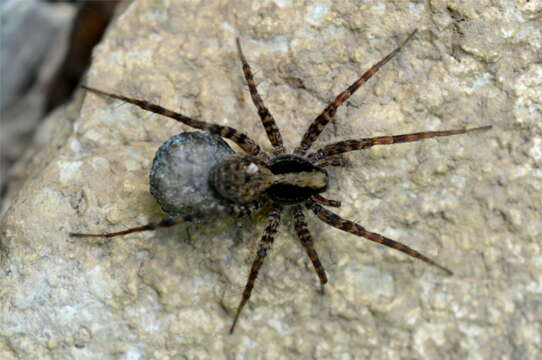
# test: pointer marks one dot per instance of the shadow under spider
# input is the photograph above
(282, 179)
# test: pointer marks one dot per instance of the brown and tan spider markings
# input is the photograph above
(281, 179)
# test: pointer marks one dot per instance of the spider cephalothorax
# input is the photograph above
(280, 179)
(285, 179)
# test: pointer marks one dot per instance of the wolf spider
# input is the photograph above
(282, 179)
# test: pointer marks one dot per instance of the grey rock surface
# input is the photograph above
(29, 30)
(471, 202)
(32, 43)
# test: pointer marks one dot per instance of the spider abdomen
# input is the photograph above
(241, 178)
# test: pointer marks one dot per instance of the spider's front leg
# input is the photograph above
(318, 125)
(220, 211)
(353, 228)
(341, 147)
(325, 201)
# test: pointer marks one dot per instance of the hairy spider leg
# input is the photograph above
(359, 144)
(306, 240)
(356, 229)
(264, 247)
(238, 210)
(326, 202)
(268, 122)
(246, 143)
(325, 117)
(331, 161)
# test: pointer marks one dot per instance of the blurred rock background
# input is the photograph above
(45, 48)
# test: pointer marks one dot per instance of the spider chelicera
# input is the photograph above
(281, 179)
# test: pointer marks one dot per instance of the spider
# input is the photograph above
(282, 180)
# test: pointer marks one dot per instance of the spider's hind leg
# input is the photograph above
(220, 211)
(244, 142)
(264, 247)
(148, 227)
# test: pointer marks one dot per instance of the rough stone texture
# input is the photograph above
(179, 174)
(472, 202)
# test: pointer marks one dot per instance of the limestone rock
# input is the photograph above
(469, 201)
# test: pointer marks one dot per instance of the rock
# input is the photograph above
(29, 30)
(33, 41)
(469, 201)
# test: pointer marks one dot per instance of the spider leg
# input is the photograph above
(238, 210)
(264, 247)
(331, 161)
(268, 122)
(356, 229)
(244, 142)
(359, 144)
(326, 202)
(150, 226)
(325, 117)
(306, 240)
